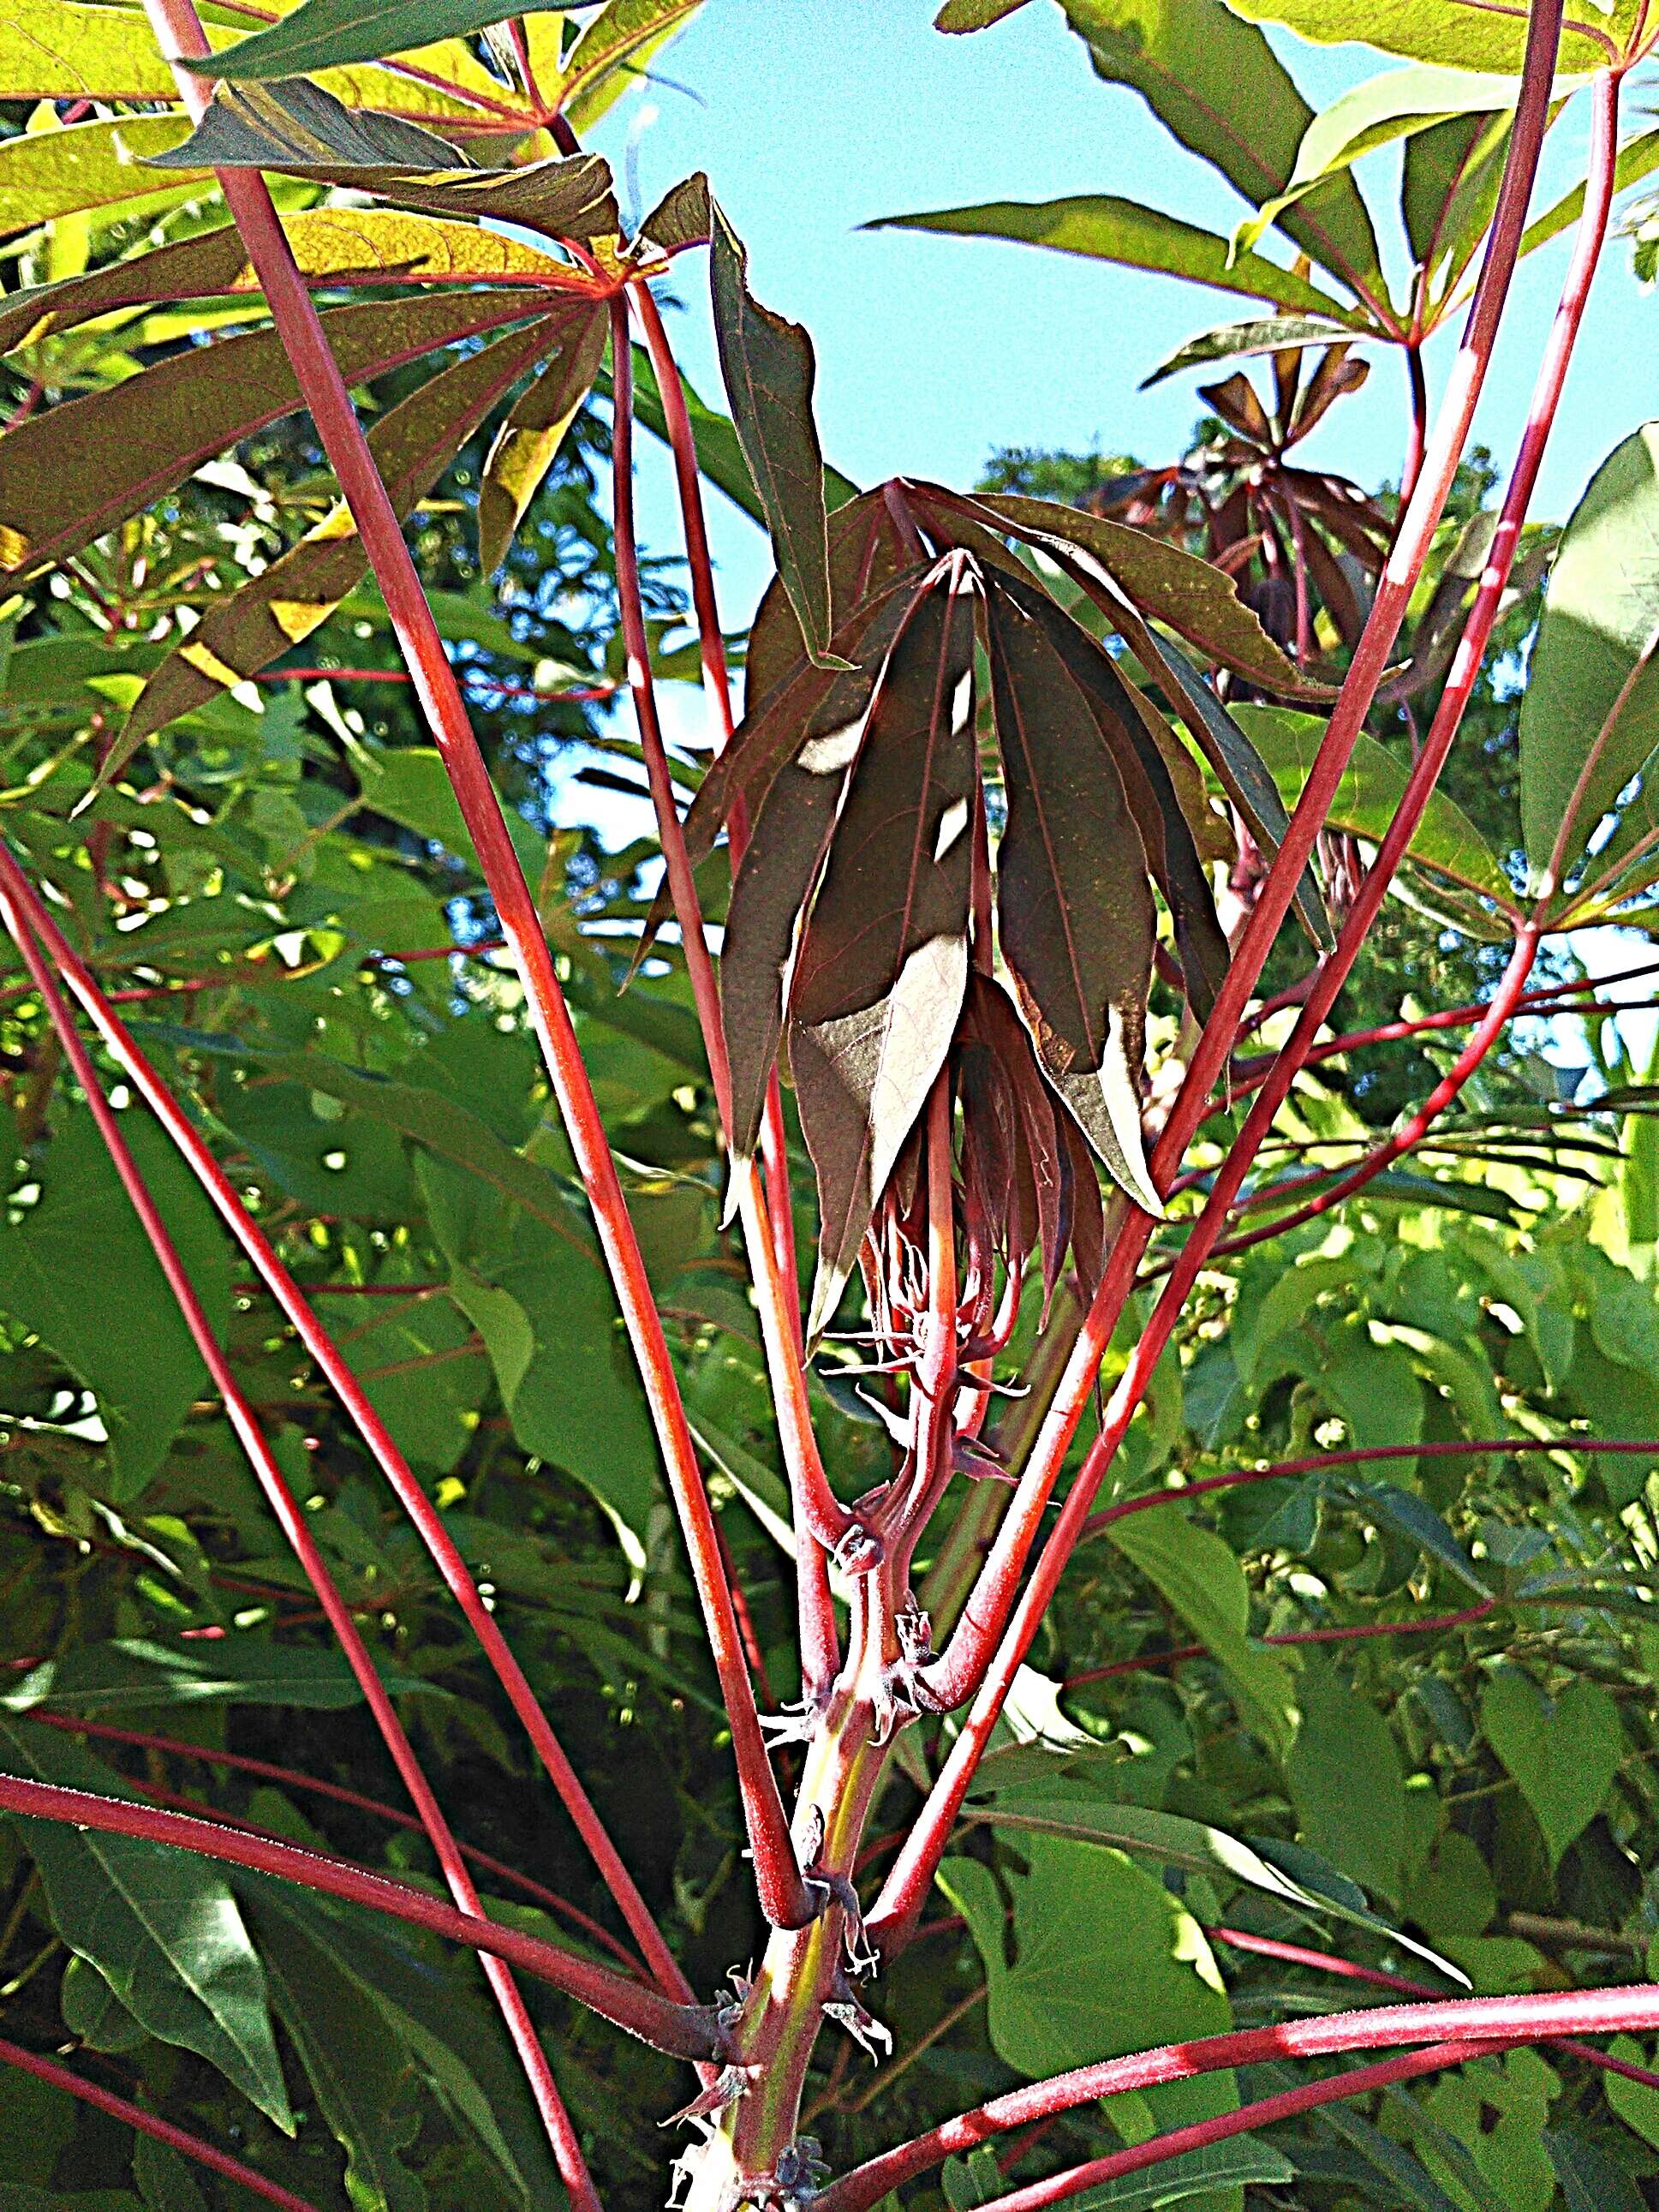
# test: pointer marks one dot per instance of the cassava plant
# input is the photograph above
(1024, 800)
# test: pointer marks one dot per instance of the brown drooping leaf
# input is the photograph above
(1074, 911)
(359, 243)
(1196, 599)
(1032, 1210)
(295, 127)
(882, 962)
(768, 368)
(1131, 733)
(528, 441)
(69, 475)
(285, 603)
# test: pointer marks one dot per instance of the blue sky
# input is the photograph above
(814, 116)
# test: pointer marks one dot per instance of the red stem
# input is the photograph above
(291, 1518)
(783, 1893)
(1491, 2023)
(1505, 1003)
(134, 2116)
(981, 1647)
(288, 1777)
(683, 2031)
(1266, 2112)
(348, 1389)
(779, 1298)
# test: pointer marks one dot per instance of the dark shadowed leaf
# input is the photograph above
(528, 441)
(1102, 227)
(68, 474)
(883, 957)
(327, 33)
(1242, 773)
(1591, 2179)
(1196, 600)
(132, 1676)
(161, 1927)
(682, 217)
(1590, 711)
(280, 607)
(1138, 742)
(1074, 910)
(769, 370)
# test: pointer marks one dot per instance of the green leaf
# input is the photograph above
(62, 50)
(80, 1246)
(416, 2003)
(161, 1927)
(327, 33)
(411, 786)
(396, 247)
(45, 174)
(720, 454)
(1162, 582)
(1564, 1755)
(1368, 797)
(1102, 227)
(1638, 158)
(129, 1675)
(1199, 1576)
(72, 473)
(1347, 1783)
(547, 1317)
(1237, 341)
(1229, 2165)
(611, 54)
(527, 443)
(1104, 1960)
(973, 15)
(1455, 37)
(359, 2071)
(1636, 2104)
(1591, 2180)
(1594, 679)
(164, 2181)
(768, 366)
(1217, 86)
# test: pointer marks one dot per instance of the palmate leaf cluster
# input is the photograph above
(263, 870)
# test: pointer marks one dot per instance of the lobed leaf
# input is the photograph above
(79, 167)
(1459, 37)
(69, 475)
(616, 42)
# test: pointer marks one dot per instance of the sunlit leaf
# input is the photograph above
(1590, 716)
(47, 173)
(1428, 31)
(326, 34)
(1102, 227)
(613, 52)
(527, 443)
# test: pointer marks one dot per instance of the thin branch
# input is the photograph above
(1489, 2023)
(683, 2031)
(164, 2131)
(291, 1519)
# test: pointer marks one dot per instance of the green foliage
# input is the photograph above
(1398, 1710)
